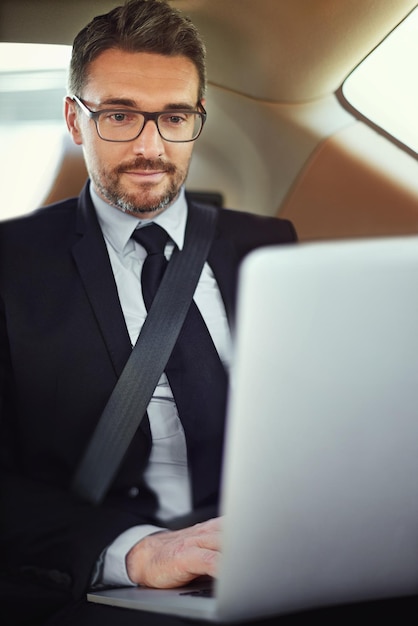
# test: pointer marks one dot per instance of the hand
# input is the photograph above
(174, 558)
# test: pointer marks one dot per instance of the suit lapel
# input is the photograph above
(224, 262)
(94, 266)
(95, 270)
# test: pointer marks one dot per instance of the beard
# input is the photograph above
(109, 185)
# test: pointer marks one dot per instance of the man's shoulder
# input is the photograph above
(229, 214)
(254, 227)
(231, 219)
(46, 216)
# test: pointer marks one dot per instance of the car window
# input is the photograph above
(32, 88)
(384, 87)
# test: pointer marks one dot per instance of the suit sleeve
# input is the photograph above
(47, 535)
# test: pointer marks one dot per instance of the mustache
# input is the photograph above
(146, 164)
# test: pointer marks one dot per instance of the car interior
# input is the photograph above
(281, 138)
(312, 110)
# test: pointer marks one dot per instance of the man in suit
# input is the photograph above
(71, 308)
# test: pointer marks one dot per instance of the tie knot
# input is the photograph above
(152, 237)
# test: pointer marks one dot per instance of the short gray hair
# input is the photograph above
(137, 26)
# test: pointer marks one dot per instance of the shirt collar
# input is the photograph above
(117, 226)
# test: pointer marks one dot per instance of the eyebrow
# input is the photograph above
(127, 102)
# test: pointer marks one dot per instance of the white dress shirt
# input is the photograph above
(167, 471)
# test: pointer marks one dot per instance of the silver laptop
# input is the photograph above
(320, 485)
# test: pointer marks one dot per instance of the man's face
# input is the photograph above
(143, 176)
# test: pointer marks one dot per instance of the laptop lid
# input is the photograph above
(320, 492)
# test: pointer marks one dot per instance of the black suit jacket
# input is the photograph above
(63, 344)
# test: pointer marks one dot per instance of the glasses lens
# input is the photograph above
(120, 125)
(179, 125)
(127, 125)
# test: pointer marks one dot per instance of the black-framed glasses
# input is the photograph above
(177, 126)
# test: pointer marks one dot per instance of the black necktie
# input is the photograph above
(196, 375)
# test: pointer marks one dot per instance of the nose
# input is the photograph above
(149, 144)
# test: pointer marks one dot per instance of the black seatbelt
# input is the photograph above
(132, 393)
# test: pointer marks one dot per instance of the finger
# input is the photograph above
(172, 558)
(203, 563)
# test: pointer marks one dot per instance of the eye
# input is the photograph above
(174, 119)
(119, 117)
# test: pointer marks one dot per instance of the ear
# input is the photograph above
(71, 118)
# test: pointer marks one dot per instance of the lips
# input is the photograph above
(146, 176)
(144, 172)
(145, 167)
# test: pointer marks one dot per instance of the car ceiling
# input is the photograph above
(279, 130)
(273, 50)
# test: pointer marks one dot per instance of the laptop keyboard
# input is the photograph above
(205, 592)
